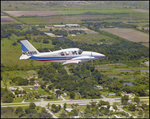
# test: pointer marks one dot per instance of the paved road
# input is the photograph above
(50, 113)
(123, 110)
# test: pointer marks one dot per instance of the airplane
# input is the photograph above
(64, 56)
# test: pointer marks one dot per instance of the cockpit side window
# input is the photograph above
(62, 54)
(74, 52)
(80, 51)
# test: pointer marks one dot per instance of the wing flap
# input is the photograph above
(24, 57)
(72, 62)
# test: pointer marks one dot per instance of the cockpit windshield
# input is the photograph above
(80, 51)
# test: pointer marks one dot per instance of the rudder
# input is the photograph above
(28, 48)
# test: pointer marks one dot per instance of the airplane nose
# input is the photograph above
(103, 55)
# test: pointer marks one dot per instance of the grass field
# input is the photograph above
(32, 20)
(13, 74)
(10, 54)
(40, 91)
(80, 11)
(92, 38)
(18, 100)
(129, 34)
(7, 19)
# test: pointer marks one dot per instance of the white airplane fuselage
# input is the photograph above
(65, 56)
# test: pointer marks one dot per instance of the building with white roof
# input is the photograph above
(72, 25)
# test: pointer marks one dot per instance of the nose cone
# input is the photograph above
(98, 55)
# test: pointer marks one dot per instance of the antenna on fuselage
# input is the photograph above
(50, 50)
(61, 48)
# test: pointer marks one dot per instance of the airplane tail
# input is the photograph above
(27, 50)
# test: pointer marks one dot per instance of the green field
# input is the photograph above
(32, 20)
(80, 11)
(40, 91)
(92, 38)
(13, 53)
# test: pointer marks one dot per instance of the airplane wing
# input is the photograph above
(72, 62)
(24, 57)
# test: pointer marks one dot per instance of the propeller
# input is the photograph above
(91, 58)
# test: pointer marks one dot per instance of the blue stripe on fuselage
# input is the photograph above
(57, 58)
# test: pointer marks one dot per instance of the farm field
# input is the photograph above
(140, 10)
(73, 18)
(125, 72)
(32, 20)
(92, 38)
(7, 19)
(80, 11)
(129, 34)
(13, 74)
(30, 13)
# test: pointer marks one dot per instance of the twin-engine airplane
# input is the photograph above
(64, 56)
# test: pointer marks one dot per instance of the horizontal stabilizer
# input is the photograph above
(24, 57)
(72, 62)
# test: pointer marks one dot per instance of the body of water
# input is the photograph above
(144, 70)
(129, 84)
(112, 75)
(124, 71)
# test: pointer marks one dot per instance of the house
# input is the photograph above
(72, 25)
(73, 35)
(82, 105)
(56, 90)
(65, 94)
(35, 87)
(111, 108)
(68, 109)
(20, 95)
(111, 94)
(12, 89)
(59, 26)
(117, 116)
(99, 87)
(138, 108)
(36, 82)
(78, 93)
(104, 106)
(44, 96)
(76, 117)
(13, 92)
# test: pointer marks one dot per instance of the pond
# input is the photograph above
(63, 38)
(144, 70)
(128, 83)
(112, 75)
(124, 71)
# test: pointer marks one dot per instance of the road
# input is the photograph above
(83, 101)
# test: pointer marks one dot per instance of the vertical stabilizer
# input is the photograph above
(28, 48)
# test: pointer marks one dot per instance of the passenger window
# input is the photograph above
(62, 54)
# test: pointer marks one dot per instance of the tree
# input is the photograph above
(48, 105)
(44, 110)
(63, 115)
(72, 95)
(140, 112)
(50, 87)
(65, 106)
(115, 106)
(32, 81)
(124, 99)
(32, 105)
(132, 107)
(58, 93)
(43, 86)
(54, 108)
(18, 110)
(136, 99)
